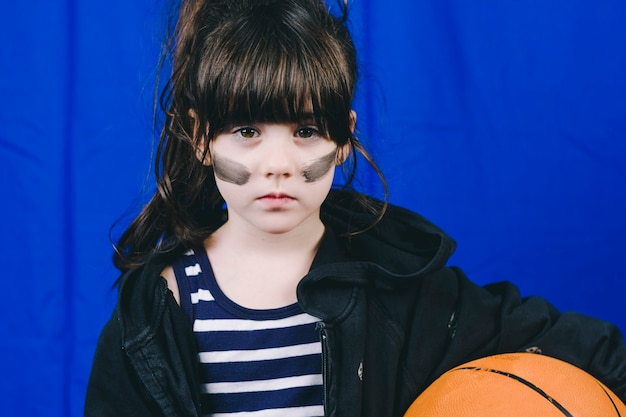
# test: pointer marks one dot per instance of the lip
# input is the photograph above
(276, 200)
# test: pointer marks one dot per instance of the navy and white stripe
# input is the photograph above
(254, 363)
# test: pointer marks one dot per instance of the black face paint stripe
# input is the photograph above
(319, 167)
(229, 170)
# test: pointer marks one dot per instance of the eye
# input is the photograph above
(246, 132)
(307, 132)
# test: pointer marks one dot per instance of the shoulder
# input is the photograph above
(148, 283)
(172, 284)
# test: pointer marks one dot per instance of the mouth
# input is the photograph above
(276, 200)
(277, 196)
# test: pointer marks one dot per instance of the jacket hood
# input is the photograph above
(402, 245)
(399, 249)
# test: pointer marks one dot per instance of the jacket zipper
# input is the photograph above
(324, 340)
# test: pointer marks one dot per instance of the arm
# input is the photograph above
(114, 389)
(496, 319)
(146, 360)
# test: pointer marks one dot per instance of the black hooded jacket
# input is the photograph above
(394, 318)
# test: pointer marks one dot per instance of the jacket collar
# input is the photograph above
(400, 248)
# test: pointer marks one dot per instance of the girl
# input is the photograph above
(249, 286)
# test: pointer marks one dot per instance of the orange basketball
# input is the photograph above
(517, 385)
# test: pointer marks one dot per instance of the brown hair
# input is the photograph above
(238, 61)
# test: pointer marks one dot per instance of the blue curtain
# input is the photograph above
(503, 122)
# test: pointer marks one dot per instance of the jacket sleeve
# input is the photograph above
(147, 371)
(495, 319)
(113, 388)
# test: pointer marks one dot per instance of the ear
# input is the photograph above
(202, 151)
(352, 120)
(344, 151)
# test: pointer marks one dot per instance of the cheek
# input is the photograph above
(230, 171)
(317, 191)
(320, 167)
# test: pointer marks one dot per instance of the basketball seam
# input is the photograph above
(523, 381)
(612, 402)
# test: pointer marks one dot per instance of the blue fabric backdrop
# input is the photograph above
(503, 122)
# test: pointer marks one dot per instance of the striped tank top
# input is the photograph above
(254, 363)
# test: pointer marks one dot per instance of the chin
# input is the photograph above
(276, 229)
(283, 225)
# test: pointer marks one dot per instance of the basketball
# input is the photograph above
(517, 385)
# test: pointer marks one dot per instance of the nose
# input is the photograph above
(279, 159)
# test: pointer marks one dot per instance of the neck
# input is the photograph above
(244, 239)
(257, 269)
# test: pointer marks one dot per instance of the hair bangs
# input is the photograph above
(268, 70)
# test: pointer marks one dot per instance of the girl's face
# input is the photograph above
(273, 176)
